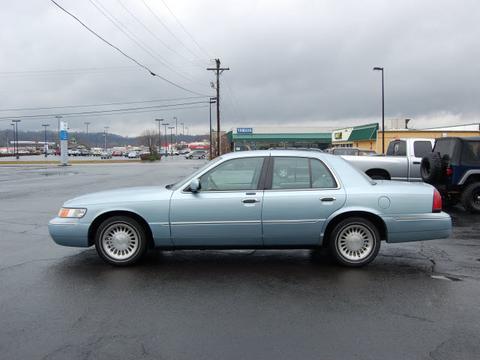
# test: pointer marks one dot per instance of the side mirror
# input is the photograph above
(195, 185)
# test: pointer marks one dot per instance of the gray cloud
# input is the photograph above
(292, 62)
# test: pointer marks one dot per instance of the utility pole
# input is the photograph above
(16, 136)
(183, 128)
(212, 101)
(166, 138)
(218, 71)
(86, 124)
(45, 138)
(159, 135)
(171, 138)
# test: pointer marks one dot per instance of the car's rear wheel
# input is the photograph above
(121, 240)
(354, 242)
(471, 198)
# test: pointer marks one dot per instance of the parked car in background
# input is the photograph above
(350, 151)
(401, 162)
(453, 167)
(257, 199)
(106, 155)
(196, 154)
(117, 153)
(74, 152)
(133, 155)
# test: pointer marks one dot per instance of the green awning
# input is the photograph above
(365, 132)
(289, 137)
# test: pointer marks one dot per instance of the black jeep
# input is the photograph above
(453, 167)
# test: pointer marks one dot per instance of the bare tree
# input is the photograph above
(148, 138)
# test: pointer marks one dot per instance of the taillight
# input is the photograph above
(437, 201)
(449, 171)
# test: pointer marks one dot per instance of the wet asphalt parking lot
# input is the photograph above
(415, 301)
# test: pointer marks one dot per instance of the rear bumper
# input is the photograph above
(69, 232)
(418, 227)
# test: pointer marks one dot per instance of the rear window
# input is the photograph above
(422, 148)
(471, 153)
(397, 148)
(445, 147)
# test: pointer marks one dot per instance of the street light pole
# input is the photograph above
(159, 135)
(13, 130)
(377, 68)
(212, 101)
(86, 124)
(45, 138)
(16, 136)
(176, 129)
(171, 138)
(166, 137)
(105, 135)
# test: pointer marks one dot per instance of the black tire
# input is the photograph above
(432, 169)
(339, 252)
(471, 198)
(134, 230)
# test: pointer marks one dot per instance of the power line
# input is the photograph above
(170, 31)
(129, 34)
(147, 29)
(123, 53)
(185, 29)
(102, 104)
(93, 112)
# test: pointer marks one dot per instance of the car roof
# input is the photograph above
(467, 138)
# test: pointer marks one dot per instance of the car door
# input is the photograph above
(225, 212)
(300, 194)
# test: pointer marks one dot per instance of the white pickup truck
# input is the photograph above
(401, 162)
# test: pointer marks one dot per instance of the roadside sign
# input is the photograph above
(63, 135)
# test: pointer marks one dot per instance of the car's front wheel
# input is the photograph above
(354, 242)
(121, 240)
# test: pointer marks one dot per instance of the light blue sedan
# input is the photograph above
(275, 199)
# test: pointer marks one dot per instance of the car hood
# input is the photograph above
(131, 194)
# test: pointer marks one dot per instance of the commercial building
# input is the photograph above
(369, 136)
(363, 137)
(265, 138)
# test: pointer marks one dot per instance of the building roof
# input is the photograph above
(319, 137)
(364, 132)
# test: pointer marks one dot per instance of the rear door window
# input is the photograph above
(471, 153)
(301, 173)
(422, 148)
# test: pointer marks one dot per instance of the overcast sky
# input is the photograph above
(293, 63)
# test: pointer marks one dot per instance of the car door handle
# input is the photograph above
(327, 199)
(416, 163)
(250, 201)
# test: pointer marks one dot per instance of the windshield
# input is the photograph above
(176, 185)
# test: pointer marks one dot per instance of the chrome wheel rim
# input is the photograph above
(355, 242)
(120, 241)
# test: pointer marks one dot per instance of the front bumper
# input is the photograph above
(69, 232)
(418, 227)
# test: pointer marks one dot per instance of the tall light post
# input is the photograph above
(171, 138)
(183, 128)
(16, 136)
(105, 135)
(166, 137)
(13, 130)
(45, 138)
(377, 68)
(176, 129)
(212, 101)
(86, 124)
(159, 134)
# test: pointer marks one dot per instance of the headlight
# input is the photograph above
(71, 213)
